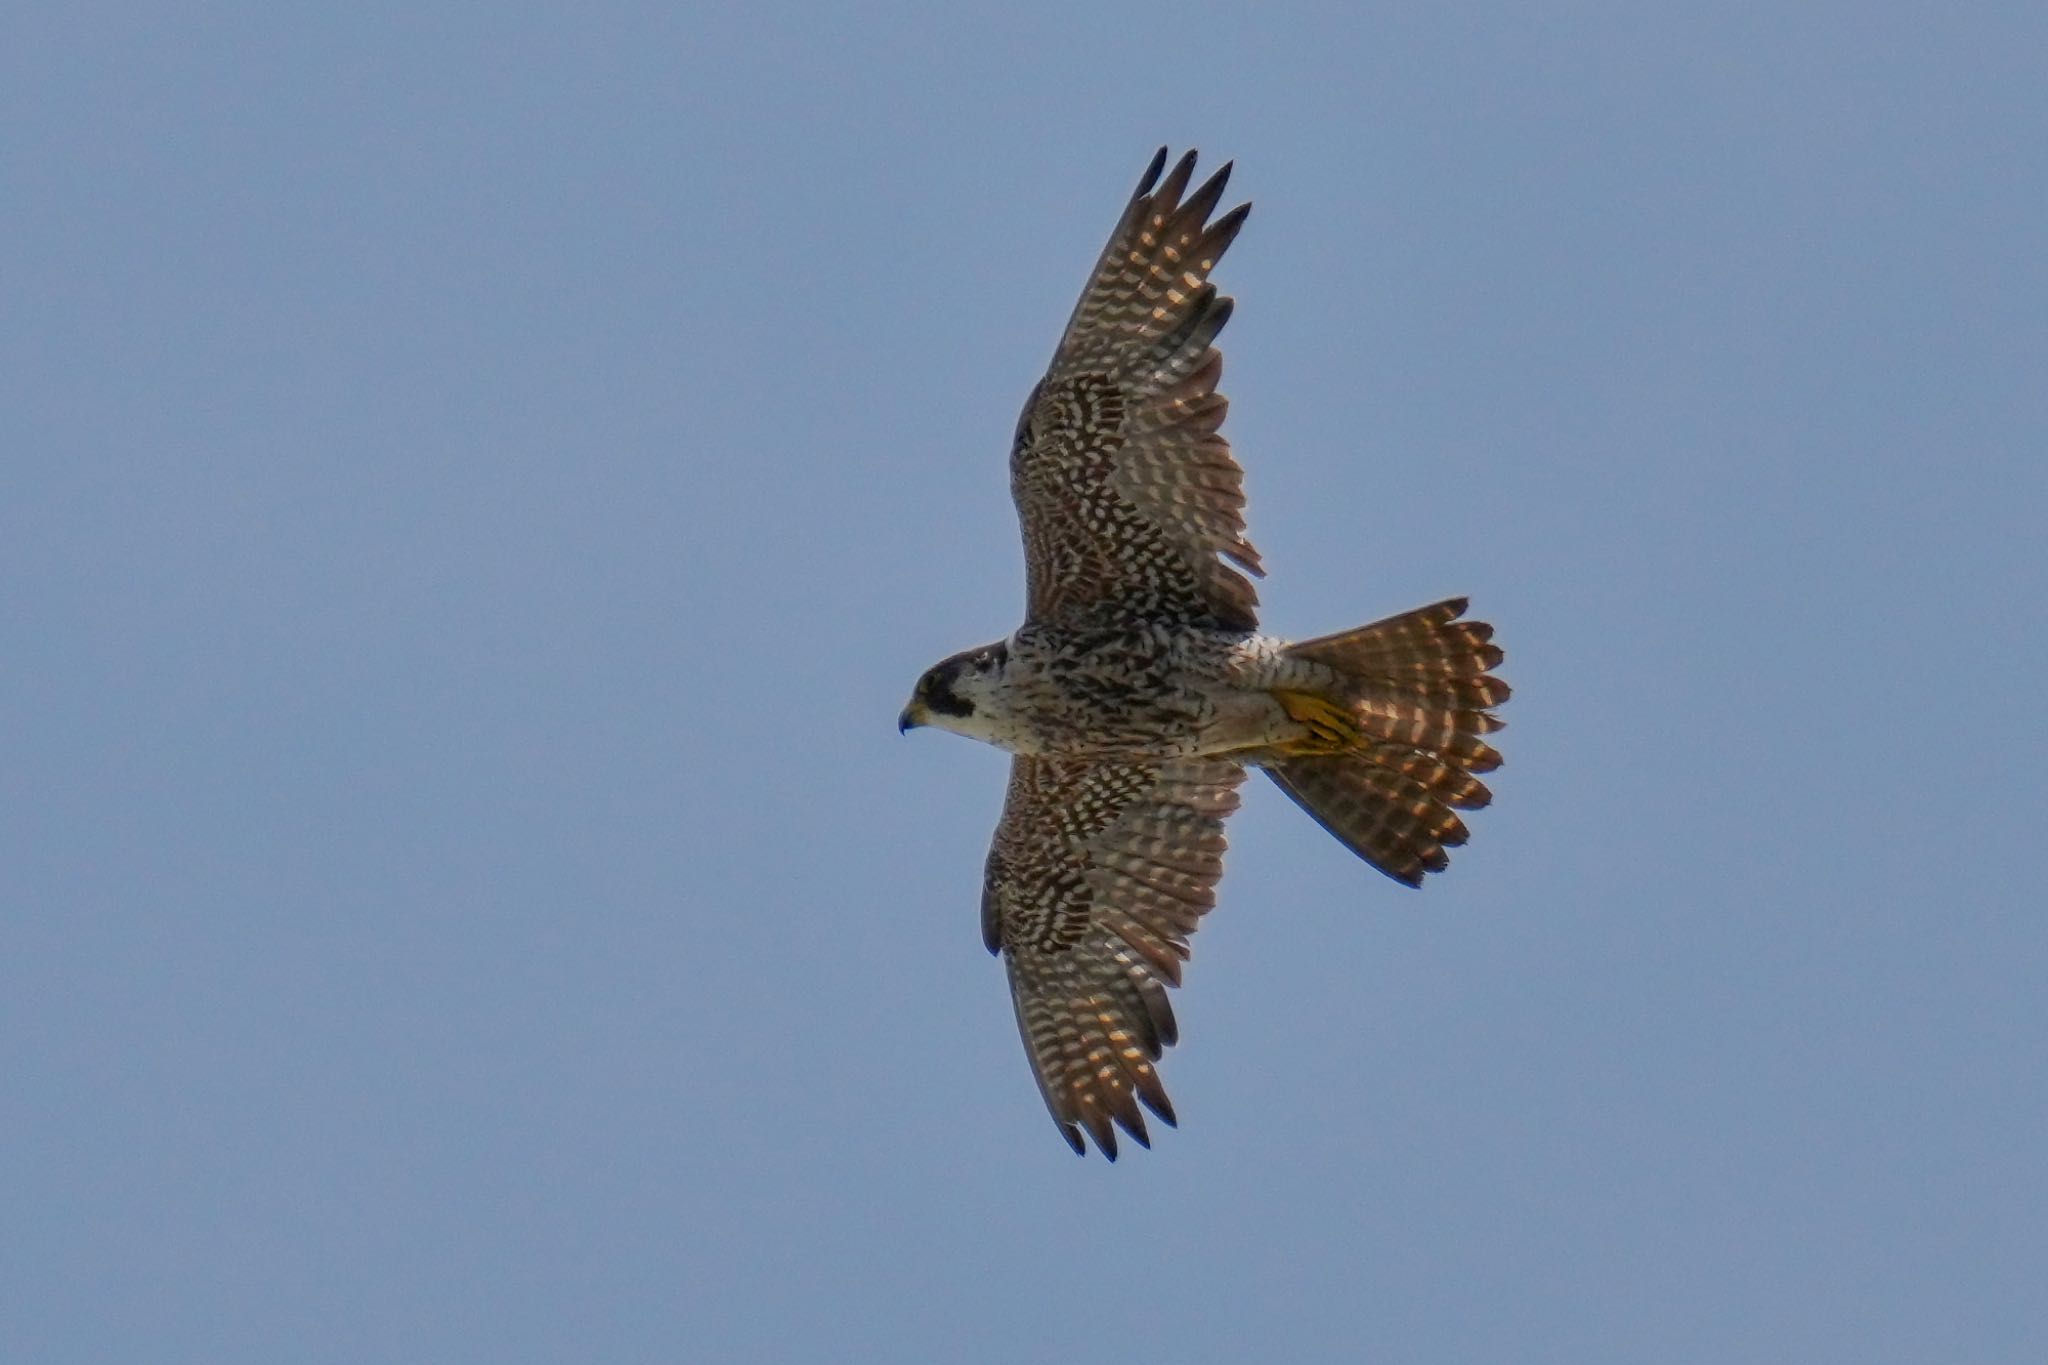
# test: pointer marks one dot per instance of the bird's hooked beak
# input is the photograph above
(913, 716)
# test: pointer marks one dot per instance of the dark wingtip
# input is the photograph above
(1409, 877)
(1169, 1027)
(1151, 176)
(1102, 1130)
(1166, 195)
(1203, 201)
(1073, 1137)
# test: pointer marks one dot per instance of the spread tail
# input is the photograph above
(1418, 687)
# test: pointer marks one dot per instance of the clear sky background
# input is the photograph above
(479, 482)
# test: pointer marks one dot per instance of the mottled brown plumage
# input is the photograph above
(1124, 488)
(1138, 690)
(1099, 873)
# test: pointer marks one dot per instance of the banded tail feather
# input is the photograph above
(1420, 686)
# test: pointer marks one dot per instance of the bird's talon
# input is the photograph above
(1331, 728)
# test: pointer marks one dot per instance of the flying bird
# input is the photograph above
(1139, 688)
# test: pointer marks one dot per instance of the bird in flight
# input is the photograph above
(1139, 688)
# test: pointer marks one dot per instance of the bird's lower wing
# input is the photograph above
(1098, 875)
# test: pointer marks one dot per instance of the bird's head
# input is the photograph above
(961, 694)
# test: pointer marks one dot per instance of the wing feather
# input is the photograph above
(1126, 492)
(1098, 875)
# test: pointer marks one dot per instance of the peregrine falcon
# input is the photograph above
(1139, 689)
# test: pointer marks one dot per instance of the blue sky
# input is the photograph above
(479, 486)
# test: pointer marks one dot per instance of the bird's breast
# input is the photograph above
(1106, 693)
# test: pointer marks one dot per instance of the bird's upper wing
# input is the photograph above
(1126, 491)
(1099, 873)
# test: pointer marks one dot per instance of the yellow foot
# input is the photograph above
(1331, 729)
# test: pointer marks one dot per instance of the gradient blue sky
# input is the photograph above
(480, 482)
